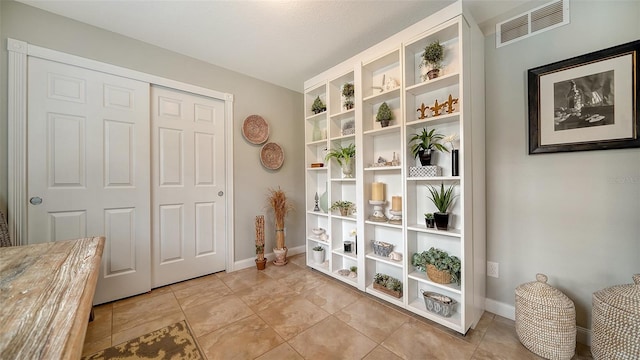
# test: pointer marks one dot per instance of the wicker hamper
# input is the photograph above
(616, 322)
(545, 320)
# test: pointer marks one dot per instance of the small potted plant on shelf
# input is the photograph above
(318, 254)
(318, 106)
(441, 267)
(384, 115)
(424, 143)
(388, 285)
(428, 220)
(348, 90)
(432, 59)
(344, 157)
(442, 198)
(344, 207)
(354, 271)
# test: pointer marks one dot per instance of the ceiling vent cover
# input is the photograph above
(538, 20)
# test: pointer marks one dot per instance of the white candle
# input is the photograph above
(377, 191)
(396, 203)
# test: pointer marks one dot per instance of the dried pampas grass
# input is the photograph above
(278, 201)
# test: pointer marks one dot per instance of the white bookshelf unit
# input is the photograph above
(390, 72)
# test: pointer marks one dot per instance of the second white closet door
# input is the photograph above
(188, 185)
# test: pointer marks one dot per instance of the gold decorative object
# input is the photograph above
(422, 110)
(437, 107)
(450, 103)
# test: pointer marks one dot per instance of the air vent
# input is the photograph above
(538, 20)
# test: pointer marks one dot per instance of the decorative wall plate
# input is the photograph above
(255, 129)
(271, 156)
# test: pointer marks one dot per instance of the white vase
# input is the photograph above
(318, 256)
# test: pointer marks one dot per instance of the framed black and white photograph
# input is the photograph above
(585, 103)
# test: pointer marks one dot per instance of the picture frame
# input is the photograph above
(589, 102)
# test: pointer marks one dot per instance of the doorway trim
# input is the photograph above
(19, 51)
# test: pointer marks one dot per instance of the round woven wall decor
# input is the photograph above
(255, 129)
(271, 156)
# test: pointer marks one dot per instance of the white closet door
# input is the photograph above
(88, 162)
(188, 175)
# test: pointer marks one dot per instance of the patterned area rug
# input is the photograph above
(171, 342)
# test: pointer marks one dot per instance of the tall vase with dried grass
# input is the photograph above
(281, 206)
(260, 260)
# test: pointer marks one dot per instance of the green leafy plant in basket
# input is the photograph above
(441, 260)
(318, 248)
(343, 206)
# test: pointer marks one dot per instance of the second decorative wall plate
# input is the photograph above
(271, 156)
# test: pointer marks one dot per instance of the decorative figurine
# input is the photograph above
(316, 208)
(437, 107)
(422, 111)
(450, 103)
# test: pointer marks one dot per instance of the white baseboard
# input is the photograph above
(508, 311)
(246, 263)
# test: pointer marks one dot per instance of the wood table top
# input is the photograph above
(46, 295)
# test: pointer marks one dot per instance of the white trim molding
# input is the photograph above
(17, 141)
(229, 196)
(583, 335)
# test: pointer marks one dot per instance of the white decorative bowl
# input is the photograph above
(318, 231)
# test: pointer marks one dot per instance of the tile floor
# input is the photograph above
(293, 312)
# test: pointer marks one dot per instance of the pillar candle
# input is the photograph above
(396, 203)
(377, 191)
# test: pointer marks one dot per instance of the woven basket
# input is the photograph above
(616, 322)
(438, 276)
(545, 320)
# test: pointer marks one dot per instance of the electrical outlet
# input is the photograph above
(493, 269)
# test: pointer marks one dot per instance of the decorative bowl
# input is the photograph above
(318, 231)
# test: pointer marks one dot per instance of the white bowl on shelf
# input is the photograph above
(318, 231)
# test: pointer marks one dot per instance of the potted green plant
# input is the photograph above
(318, 106)
(344, 156)
(343, 206)
(432, 58)
(441, 267)
(384, 115)
(423, 144)
(348, 90)
(388, 285)
(442, 198)
(428, 220)
(318, 254)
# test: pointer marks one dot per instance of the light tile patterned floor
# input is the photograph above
(293, 312)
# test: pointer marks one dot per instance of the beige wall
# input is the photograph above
(281, 107)
(573, 216)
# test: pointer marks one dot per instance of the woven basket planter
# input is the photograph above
(616, 322)
(545, 320)
(438, 276)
